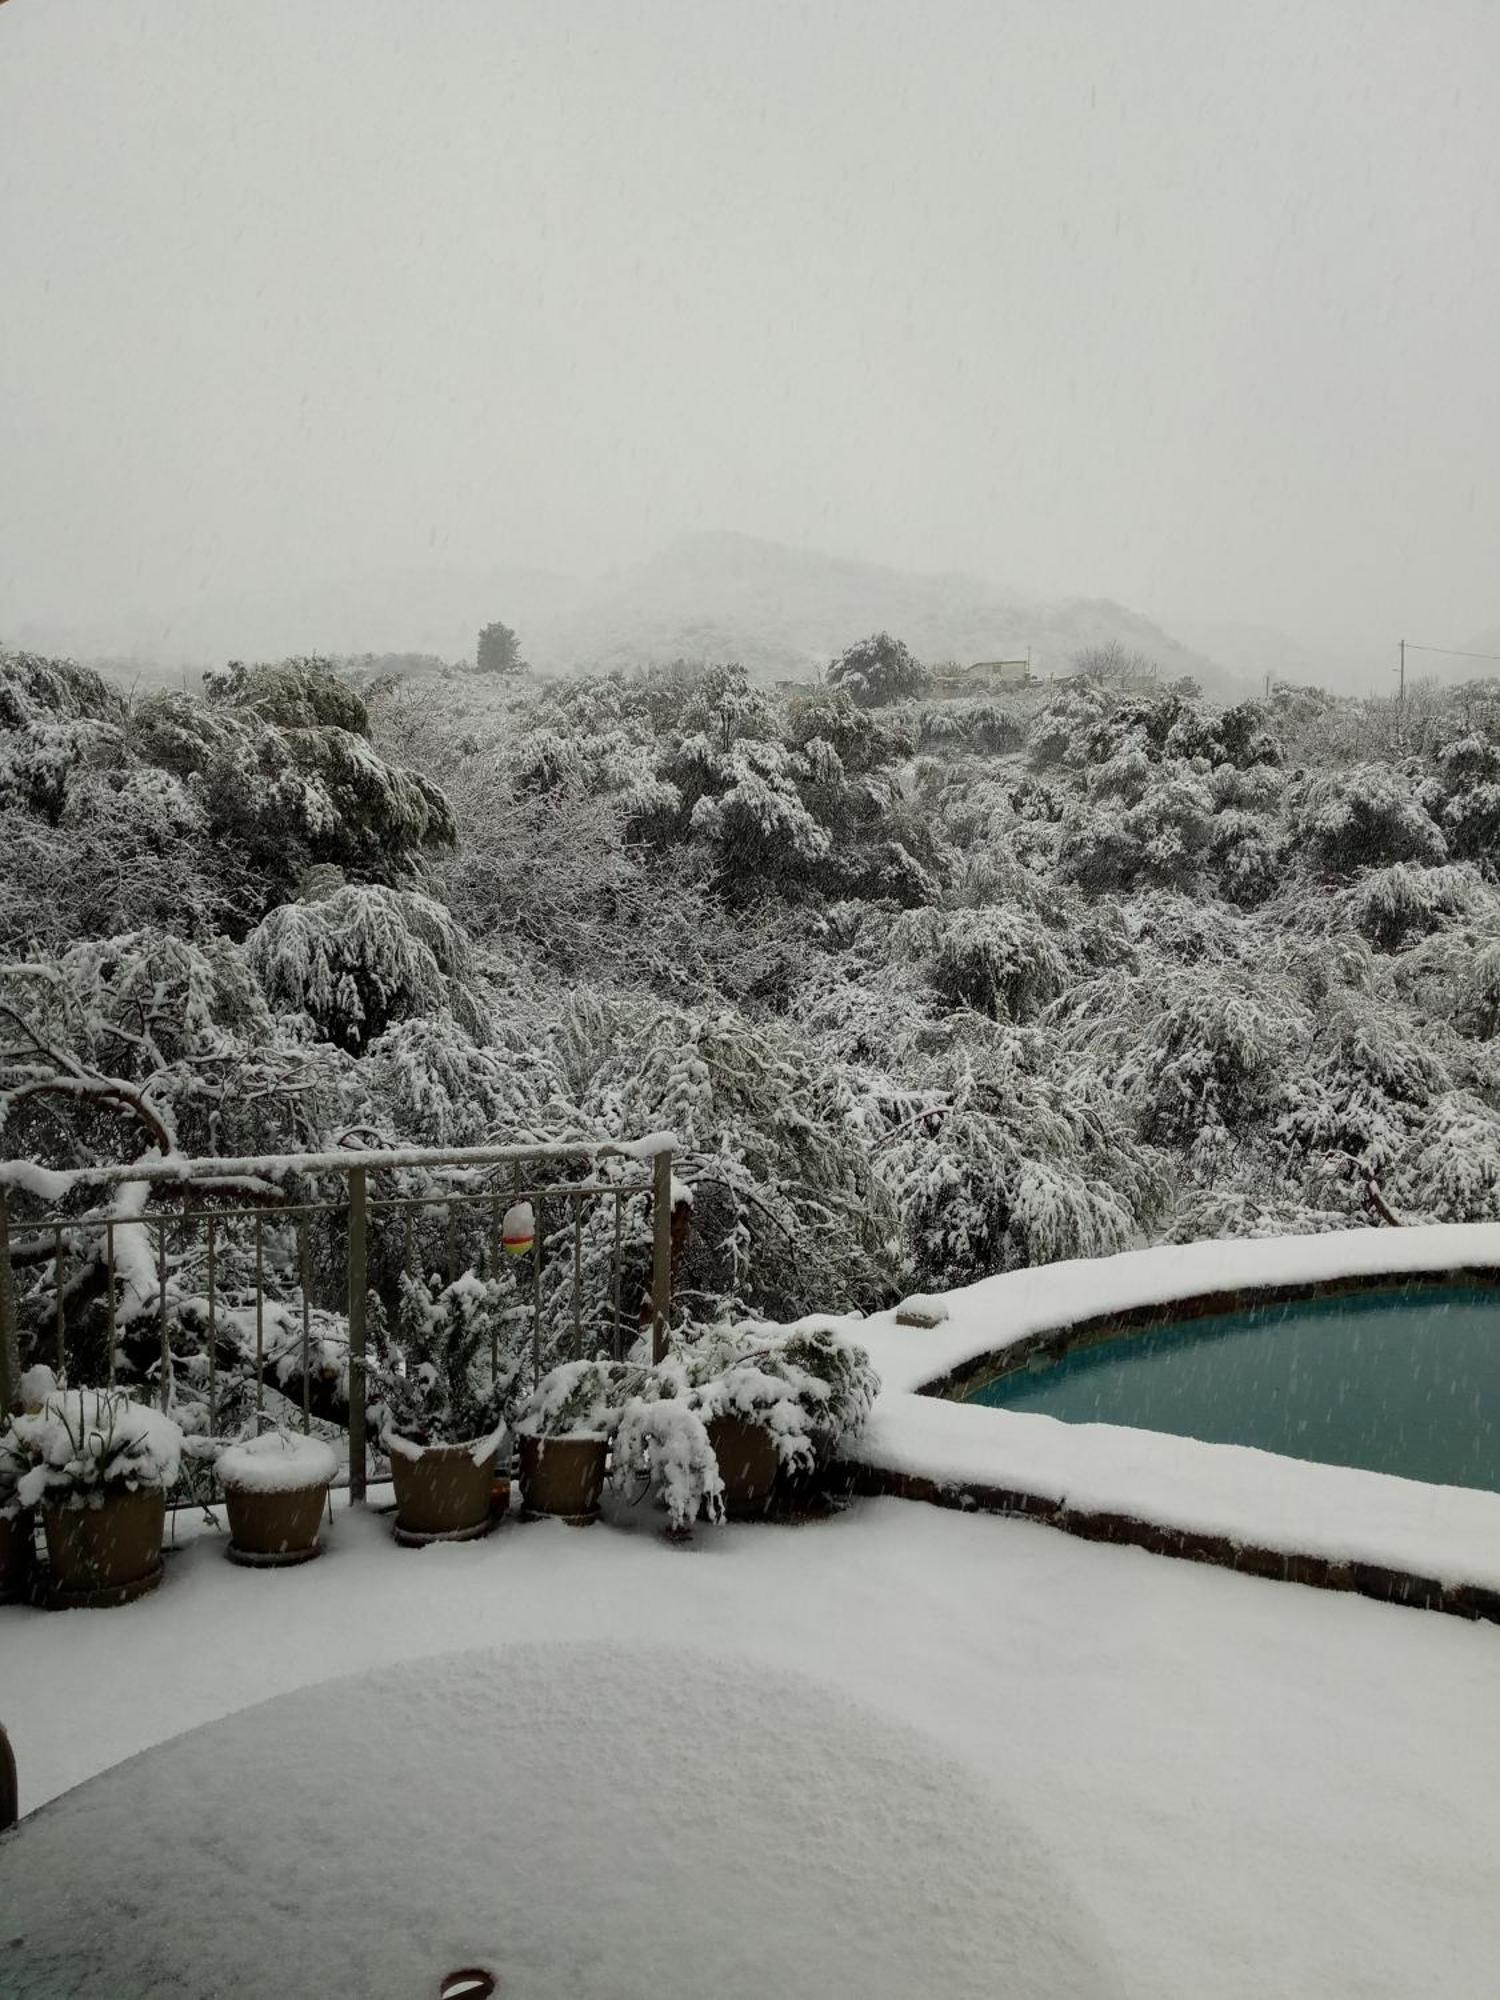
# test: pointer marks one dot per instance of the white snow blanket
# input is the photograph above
(536, 1812)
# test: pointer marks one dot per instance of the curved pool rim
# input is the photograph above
(1048, 1344)
(1387, 1583)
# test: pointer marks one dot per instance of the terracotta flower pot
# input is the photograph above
(442, 1494)
(266, 1529)
(275, 1491)
(749, 1465)
(107, 1554)
(15, 1556)
(563, 1477)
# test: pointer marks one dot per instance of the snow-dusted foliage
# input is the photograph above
(663, 1441)
(357, 961)
(457, 1360)
(810, 1390)
(927, 989)
(578, 1399)
(82, 1444)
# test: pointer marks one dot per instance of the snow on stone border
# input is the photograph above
(277, 1462)
(1254, 1497)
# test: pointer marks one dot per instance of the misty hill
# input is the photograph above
(785, 612)
(782, 612)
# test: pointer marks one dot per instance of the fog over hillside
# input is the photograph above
(781, 612)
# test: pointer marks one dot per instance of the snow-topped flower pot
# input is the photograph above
(562, 1478)
(275, 1492)
(444, 1492)
(99, 1466)
(565, 1427)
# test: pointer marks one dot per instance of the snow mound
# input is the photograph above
(277, 1462)
(535, 1811)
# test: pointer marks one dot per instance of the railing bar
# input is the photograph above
(260, 1324)
(358, 1300)
(109, 1250)
(58, 1270)
(213, 1331)
(290, 1214)
(161, 1307)
(536, 1294)
(451, 1244)
(269, 1166)
(497, 1256)
(619, 1339)
(577, 1277)
(305, 1274)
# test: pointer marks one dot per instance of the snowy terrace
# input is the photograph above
(1103, 1773)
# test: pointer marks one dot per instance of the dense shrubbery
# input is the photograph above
(927, 989)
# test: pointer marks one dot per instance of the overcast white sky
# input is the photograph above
(1191, 303)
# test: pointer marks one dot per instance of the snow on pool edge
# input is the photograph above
(1256, 1498)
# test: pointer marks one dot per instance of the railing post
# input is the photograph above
(10, 1353)
(661, 1255)
(358, 1291)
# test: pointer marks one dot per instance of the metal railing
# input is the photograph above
(216, 1194)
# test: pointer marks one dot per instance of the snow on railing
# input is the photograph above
(482, 1182)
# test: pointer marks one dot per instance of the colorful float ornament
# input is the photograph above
(518, 1229)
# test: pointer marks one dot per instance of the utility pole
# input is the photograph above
(1401, 695)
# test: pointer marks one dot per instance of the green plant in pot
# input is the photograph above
(565, 1428)
(275, 1490)
(777, 1406)
(99, 1467)
(443, 1414)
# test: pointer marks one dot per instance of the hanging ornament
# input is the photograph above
(518, 1229)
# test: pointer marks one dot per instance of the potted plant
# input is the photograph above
(777, 1406)
(445, 1412)
(663, 1441)
(565, 1427)
(18, 1523)
(275, 1490)
(99, 1466)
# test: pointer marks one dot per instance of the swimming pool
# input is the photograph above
(1405, 1380)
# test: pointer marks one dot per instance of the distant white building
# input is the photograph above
(981, 676)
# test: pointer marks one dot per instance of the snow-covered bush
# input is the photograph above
(1367, 817)
(1396, 904)
(876, 671)
(460, 1362)
(578, 1399)
(1002, 962)
(357, 961)
(83, 1444)
(662, 1441)
(811, 1389)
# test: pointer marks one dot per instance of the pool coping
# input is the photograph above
(1055, 1343)
(1334, 1528)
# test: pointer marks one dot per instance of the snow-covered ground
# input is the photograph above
(1235, 1787)
(1255, 1497)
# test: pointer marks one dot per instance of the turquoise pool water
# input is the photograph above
(1404, 1381)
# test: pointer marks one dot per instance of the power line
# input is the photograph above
(1452, 652)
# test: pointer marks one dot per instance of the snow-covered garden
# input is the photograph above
(1162, 1778)
(966, 1020)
